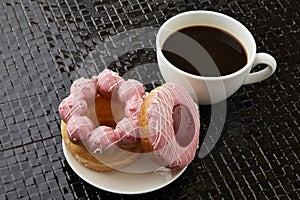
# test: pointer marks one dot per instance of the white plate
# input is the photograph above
(122, 182)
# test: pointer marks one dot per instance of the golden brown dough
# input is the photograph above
(115, 158)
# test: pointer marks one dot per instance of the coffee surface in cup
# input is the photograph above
(204, 51)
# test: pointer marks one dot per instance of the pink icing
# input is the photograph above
(84, 88)
(72, 105)
(171, 108)
(79, 127)
(101, 139)
(127, 130)
(76, 110)
(131, 93)
(107, 81)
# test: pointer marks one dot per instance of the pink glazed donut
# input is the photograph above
(100, 113)
(169, 125)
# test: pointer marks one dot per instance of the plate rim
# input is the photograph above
(68, 155)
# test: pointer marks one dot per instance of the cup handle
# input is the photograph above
(261, 58)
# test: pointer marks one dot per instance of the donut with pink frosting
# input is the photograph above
(108, 114)
(169, 125)
(91, 119)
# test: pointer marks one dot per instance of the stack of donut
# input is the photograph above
(108, 122)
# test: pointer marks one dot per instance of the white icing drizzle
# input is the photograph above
(160, 125)
(79, 127)
(72, 106)
(84, 88)
(81, 117)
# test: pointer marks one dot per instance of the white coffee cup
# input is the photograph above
(208, 90)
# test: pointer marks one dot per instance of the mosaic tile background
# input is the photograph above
(43, 45)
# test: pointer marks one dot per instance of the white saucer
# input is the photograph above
(122, 182)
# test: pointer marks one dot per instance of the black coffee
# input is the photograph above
(205, 51)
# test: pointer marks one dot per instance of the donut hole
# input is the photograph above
(184, 125)
(109, 110)
(117, 107)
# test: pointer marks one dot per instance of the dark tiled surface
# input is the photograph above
(44, 45)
